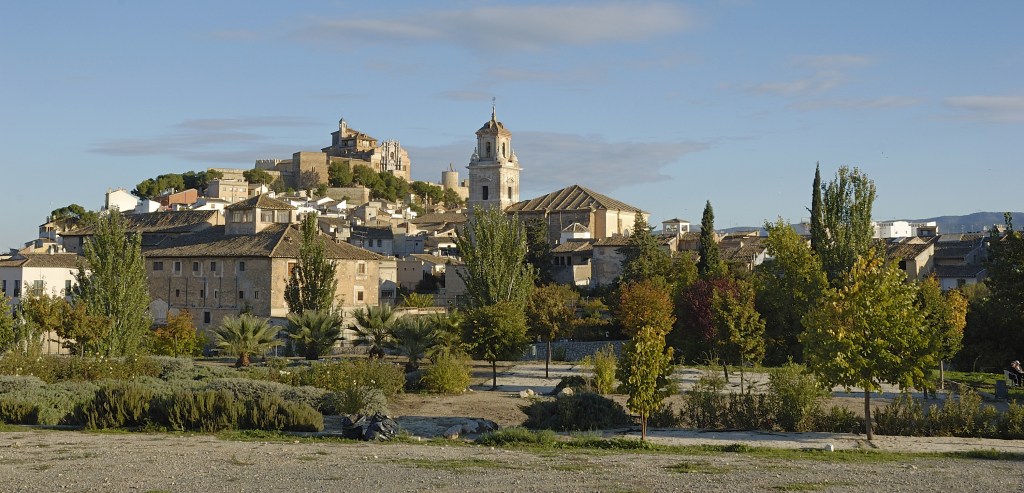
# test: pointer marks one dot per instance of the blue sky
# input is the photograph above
(663, 105)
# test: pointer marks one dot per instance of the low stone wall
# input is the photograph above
(568, 350)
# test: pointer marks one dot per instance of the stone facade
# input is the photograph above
(494, 168)
(387, 156)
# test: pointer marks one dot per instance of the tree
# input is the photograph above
(244, 336)
(493, 249)
(413, 337)
(696, 333)
(643, 257)
(258, 176)
(418, 300)
(496, 332)
(451, 199)
(788, 285)
(645, 303)
(178, 337)
(114, 288)
(846, 222)
(538, 250)
(374, 327)
(709, 264)
(740, 328)
(945, 316)
(817, 229)
(550, 312)
(151, 188)
(41, 314)
(339, 174)
(314, 332)
(868, 331)
(312, 283)
(7, 324)
(71, 211)
(80, 330)
(644, 370)
(1004, 307)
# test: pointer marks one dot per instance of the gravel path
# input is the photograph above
(47, 461)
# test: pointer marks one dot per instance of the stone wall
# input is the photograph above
(573, 350)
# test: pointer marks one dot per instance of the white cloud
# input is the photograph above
(553, 160)
(817, 83)
(508, 28)
(997, 109)
(876, 103)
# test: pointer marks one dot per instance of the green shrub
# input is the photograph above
(705, 405)
(117, 405)
(53, 368)
(796, 397)
(449, 374)
(202, 372)
(574, 382)
(272, 412)
(341, 375)
(17, 411)
(748, 411)
(903, 416)
(170, 365)
(837, 419)
(13, 383)
(1011, 423)
(206, 411)
(967, 417)
(54, 404)
(604, 370)
(516, 435)
(355, 400)
(244, 388)
(583, 411)
(665, 417)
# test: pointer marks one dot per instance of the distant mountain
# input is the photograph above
(969, 223)
(979, 221)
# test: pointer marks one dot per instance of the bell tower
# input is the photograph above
(493, 168)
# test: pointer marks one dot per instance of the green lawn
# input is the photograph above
(984, 382)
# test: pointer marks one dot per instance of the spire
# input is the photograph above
(493, 117)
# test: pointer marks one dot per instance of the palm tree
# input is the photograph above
(314, 331)
(374, 325)
(447, 335)
(245, 335)
(413, 337)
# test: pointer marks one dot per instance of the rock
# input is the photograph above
(527, 393)
(829, 447)
(470, 426)
(566, 391)
(452, 433)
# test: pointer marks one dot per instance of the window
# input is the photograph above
(380, 243)
(213, 266)
(359, 296)
(256, 295)
(291, 268)
(216, 293)
(241, 266)
(177, 293)
(267, 216)
(236, 216)
(206, 317)
(4, 289)
(503, 153)
(195, 267)
(17, 288)
(488, 154)
(177, 267)
(484, 193)
(961, 283)
(202, 293)
(510, 193)
(67, 286)
(158, 265)
(361, 268)
(241, 295)
(387, 294)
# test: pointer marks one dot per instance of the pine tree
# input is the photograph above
(710, 264)
(312, 283)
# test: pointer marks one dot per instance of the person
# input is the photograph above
(1016, 373)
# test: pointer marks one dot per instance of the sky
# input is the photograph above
(662, 105)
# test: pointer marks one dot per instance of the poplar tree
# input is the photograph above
(709, 265)
(312, 283)
(113, 288)
(846, 221)
(493, 250)
(645, 369)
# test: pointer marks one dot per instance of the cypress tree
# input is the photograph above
(817, 230)
(709, 265)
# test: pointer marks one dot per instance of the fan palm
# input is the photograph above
(246, 335)
(314, 331)
(413, 337)
(374, 325)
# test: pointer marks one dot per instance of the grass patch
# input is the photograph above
(989, 454)
(696, 468)
(452, 465)
(984, 382)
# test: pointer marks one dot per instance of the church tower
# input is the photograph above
(494, 167)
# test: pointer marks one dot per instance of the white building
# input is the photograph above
(120, 199)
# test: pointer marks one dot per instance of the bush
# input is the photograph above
(837, 419)
(271, 412)
(604, 370)
(517, 436)
(796, 397)
(341, 375)
(17, 411)
(448, 375)
(574, 382)
(52, 369)
(172, 366)
(664, 417)
(13, 383)
(1011, 423)
(577, 412)
(355, 400)
(705, 405)
(207, 411)
(117, 405)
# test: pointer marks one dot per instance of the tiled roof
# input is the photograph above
(574, 246)
(261, 201)
(571, 198)
(906, 250)
(372, 233)
(959, 270)
(430, 259)
(277, 240)
(746, 252)
(440, 218)
(156, 222)
(44, 260)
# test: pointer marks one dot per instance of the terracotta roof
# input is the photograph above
(906, 251)
(572, 198)
(155, 222)
(44, 260)
(744, 252)
(277, 240)
(261, 201)
(574, 246)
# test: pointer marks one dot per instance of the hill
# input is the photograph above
(968, 223)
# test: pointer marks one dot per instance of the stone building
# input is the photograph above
(493, 168)
(389, 156)
(244, 266)
(601, 215)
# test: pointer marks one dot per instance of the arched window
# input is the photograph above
(488, 150)
(503, 153)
